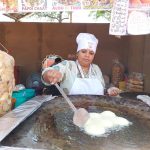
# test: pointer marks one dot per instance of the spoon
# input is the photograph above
(81, 115)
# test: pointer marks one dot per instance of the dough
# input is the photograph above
(94, 125)
(99, 123)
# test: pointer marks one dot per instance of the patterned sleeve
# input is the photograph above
(62, 67)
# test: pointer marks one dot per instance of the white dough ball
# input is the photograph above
(121, 121)
(107, 123)
(93, 128)
(99, 123)
(108, 114)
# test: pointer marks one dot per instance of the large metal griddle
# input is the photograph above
(50, 126)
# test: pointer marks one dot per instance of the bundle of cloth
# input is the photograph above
(7, 81)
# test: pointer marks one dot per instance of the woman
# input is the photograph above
(80, 76)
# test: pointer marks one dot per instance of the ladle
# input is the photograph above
(80, 115)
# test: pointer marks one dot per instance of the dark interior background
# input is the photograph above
(29, 43)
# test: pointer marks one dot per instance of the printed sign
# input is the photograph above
(66, 5)
(139, 17)
(32, 5)
(8, 5)
(139, 4)
(2, 6)
(97, 4)
(138, 22)
(119, 17)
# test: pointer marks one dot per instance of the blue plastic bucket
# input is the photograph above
(22, 96)
(30, 93)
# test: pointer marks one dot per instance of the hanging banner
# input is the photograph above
(32, 5)
(53, 5)
(138, 22)
(139, 4)
(68, 5)
(65, 5)
(119, 15)
(97, 4)
(139, 17)
(8, 6)
(127, 16)
(130, 17)
(2, 6)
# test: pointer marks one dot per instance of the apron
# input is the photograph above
(87, 86)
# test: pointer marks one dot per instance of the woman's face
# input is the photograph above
(85, 57)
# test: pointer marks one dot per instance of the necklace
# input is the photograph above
(84, 71)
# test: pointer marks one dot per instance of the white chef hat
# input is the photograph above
(86, 41)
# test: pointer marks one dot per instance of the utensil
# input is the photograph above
(81, 115)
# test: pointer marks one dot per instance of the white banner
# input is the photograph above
(61, 5)
(119, 17)
(32, 6)
(8, 6)
(138, 22)
(53, 5)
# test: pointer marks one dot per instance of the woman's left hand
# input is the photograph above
(113, 91)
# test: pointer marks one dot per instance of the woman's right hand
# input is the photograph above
(52, 76)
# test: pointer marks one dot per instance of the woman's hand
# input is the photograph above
(52, 76)
(113, 91)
